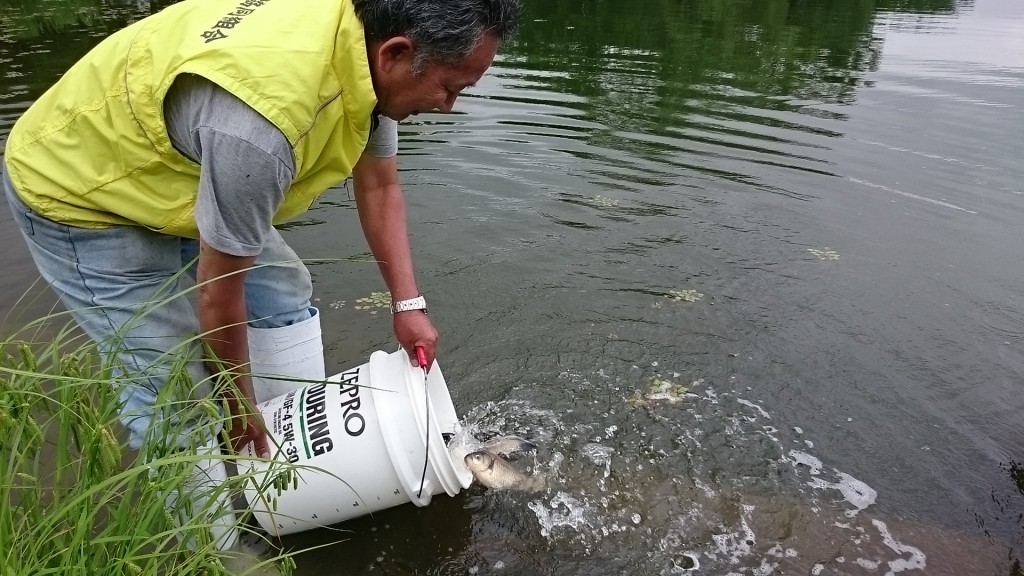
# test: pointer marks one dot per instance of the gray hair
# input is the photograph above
(442, 30)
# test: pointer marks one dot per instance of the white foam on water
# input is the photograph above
(562, 511)
(509, 417)
(734, 427)
(693, 564)
(556, 462)
(591, 505)
(854, 491)
(916, 561)
(672, 545)
(779, 552)
(600, 455)
(616, 527)
(691, 434)
(711, 396)
(806, 459)
(868, 564)
(736, 545)
(754, 406)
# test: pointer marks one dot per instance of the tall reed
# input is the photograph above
(74, 499)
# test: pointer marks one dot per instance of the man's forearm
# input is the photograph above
(382, 216)
(224, 333)
(222, 320)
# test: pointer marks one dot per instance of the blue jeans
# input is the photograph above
(127, 288)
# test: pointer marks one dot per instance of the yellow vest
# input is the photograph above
(93, 150)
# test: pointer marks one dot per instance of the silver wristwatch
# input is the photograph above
(417, 303)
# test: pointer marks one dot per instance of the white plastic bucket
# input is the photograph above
(359, 441)
(294, 352)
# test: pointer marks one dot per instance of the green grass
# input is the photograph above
(74, 499)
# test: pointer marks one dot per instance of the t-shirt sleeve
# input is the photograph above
(246, 163)
(383, 142)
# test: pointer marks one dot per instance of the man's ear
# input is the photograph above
(395, 53)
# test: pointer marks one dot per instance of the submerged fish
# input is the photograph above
(508, 445)
(496, 473)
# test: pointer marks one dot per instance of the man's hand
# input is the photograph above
(247, 428)
(414, 328)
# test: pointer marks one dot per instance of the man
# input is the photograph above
(193, 132)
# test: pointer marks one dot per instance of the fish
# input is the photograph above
(508, 446)
(496, 473)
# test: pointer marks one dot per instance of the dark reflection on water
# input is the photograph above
(839, 183)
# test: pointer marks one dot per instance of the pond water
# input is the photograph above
(808, 213)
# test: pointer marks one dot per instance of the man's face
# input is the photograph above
(400, 93)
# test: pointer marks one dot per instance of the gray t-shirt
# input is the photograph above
(246, 162)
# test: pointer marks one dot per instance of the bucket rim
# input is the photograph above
(398, 367)
(440, 457)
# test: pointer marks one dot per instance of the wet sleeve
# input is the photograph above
(246, 164)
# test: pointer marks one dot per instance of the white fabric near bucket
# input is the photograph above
(359, 442)
(295, 352)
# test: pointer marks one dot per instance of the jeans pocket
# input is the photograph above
(26, 223)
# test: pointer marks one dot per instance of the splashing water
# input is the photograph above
(704, 484)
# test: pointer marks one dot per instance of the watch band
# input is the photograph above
(417, 303)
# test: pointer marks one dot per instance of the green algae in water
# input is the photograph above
(667, 387)
(685, 295)
(659, 390)
(374, 302)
